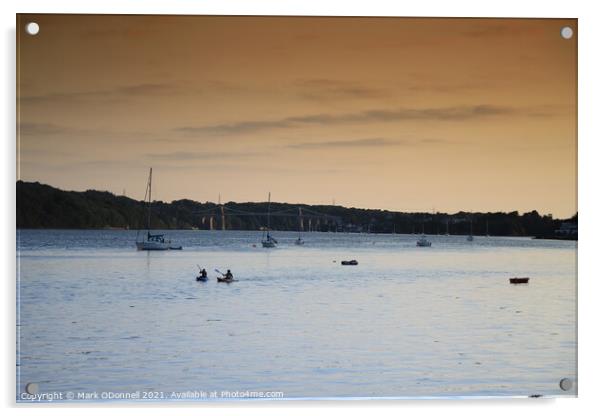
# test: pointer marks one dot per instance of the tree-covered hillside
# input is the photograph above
(43, 206)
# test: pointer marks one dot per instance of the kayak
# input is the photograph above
(517, 280)
(201, 279)
(226, 280)
(349, 263)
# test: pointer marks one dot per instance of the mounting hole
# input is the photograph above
(566, 384)
(566, 32)
(31, 388)
(32, 28)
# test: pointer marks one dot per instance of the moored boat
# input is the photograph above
(423, 242)
(470, 236)
(268, 241)
(519, 280)
(153, 242)
(299, 241)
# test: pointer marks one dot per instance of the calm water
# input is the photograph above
(98, 316)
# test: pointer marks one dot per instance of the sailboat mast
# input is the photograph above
(269, 199)
(150, 191)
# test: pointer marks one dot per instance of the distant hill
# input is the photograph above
(43, 206)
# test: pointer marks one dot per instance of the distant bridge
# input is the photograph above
(309, 220)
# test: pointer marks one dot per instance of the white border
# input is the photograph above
(590, 68)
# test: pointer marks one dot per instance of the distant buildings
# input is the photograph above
(566, 230)
(352, 228)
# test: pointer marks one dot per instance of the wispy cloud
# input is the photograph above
(111, 94)
(41, 129)
(322, 89)
(184, 156)
(376, 142)
(147, 89)
(35, 129)
(373, 142)
(460, 113)
(432, 87)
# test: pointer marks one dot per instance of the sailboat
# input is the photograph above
(299, 241)
(268, 241)
(153, 241)
(422, 241)
(470, 236)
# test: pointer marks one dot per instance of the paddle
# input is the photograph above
(202, 274)
(224, 274)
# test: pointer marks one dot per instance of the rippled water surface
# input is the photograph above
(95, 315)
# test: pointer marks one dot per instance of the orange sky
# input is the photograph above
(406, 114)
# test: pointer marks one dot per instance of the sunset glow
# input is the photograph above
(405, 114)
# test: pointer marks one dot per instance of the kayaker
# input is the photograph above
(203, 274)
(229, 275)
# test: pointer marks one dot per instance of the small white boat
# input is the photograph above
(268, 241)
(153, 242)
(423, 242)
(299, 241)
(470, 236)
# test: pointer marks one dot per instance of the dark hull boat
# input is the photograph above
(519, 280)
(225, 280)
(349, 263)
